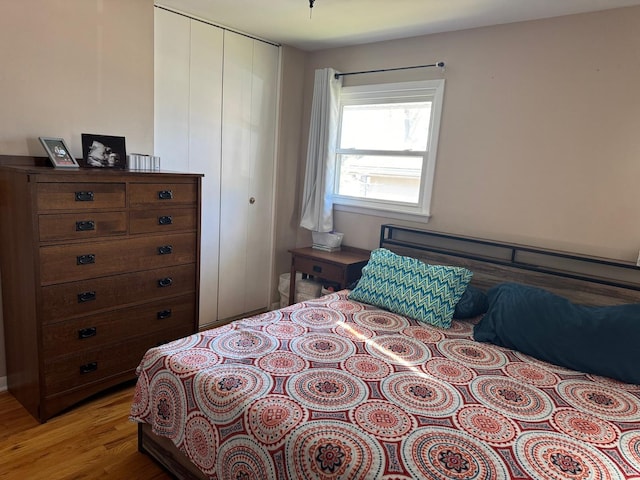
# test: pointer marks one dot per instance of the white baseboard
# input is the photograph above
(3, 384)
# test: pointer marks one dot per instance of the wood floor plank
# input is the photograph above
(92, 440)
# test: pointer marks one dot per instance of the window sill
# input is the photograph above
(411, 217)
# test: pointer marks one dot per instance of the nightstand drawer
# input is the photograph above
(77, 261)
(85, 297)
(104, 328)
(99, 363)
(79, 226)
(79, 196)
(319, 269)
(162, 220)
(147, 194)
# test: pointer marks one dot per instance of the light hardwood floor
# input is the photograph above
(95, 439)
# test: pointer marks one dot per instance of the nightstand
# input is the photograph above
(342, 267)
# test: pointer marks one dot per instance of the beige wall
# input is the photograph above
(287, 211)
(539, 137)
(75, 66)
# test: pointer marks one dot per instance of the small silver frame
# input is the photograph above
(58, 152)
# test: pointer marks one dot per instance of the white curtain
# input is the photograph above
(317, 206)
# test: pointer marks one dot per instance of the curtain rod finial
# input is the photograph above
(440, 64)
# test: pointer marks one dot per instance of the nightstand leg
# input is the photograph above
(292, 285)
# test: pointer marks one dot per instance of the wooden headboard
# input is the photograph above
(582, 279)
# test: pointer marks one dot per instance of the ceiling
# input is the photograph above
(337, 23)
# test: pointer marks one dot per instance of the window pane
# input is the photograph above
(389, 126)
(381, 178)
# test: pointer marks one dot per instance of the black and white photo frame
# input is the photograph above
(103, 151)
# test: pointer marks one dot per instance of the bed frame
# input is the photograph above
(582, 279)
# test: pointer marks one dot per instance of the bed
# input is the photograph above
(336, 388)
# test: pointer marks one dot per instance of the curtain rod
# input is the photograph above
(437, 64)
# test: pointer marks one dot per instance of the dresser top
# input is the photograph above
(39, 166)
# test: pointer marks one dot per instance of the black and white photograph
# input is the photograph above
(58, 152)
(103, 151)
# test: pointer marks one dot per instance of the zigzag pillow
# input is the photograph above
(404, 285)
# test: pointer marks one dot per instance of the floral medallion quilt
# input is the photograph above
(337, 389)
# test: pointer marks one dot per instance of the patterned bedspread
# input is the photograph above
(335, 389)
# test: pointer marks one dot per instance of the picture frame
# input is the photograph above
(103, 151)
(58, 152)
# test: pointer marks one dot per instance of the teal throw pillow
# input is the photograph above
(405, 285)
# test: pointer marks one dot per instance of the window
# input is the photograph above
(386, 148)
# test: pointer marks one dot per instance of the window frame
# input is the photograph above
(415, 91)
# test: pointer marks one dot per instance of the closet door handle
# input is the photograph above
(86, 297)
(165, 250)
(252, 200)
(164, 314)
(87, 332)
(165, 282)
(165, 220)
(88, 367)
(85, 225)
(86, 259)
(84, 196)
(165, 195)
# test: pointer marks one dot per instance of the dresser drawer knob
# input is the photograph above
(164, 314)
(86, 259)
(317, 269)
(165, 282)
(86, 297)
(87, 332)
(84, 196)
(85, 225)
(165, 220)
(165, 195)
(165, 250)
(88, 367)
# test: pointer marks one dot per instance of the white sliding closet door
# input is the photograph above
(261, 183)
(205, 130)
(236, 172)
(172, 45)
(246, 216)
(188, 111)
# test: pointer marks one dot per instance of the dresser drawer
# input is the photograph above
(66, 300)
(162, 220)
(79, 196)
(104, 328)
(83, 225)
(66, 263)
(147, 194)
(93, 365)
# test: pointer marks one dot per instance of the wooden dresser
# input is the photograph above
(97, 267)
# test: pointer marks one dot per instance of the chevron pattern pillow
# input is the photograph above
(405, 285)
